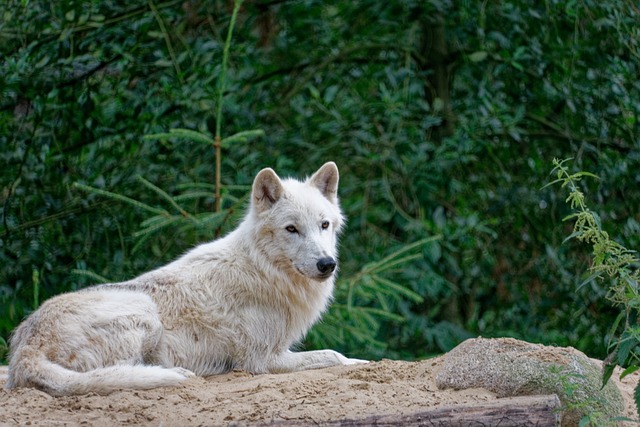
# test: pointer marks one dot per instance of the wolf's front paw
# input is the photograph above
(343, 360)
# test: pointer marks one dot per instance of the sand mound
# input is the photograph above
(359, 391)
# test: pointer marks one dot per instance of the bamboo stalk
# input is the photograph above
(216, 145)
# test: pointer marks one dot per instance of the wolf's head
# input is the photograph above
(298, 222)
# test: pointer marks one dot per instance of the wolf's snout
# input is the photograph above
(326, 265)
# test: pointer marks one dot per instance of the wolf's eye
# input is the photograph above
(291, 229)
(325, 225)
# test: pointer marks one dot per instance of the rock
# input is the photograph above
(509, 367)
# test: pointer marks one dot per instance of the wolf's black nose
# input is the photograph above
(326, 265)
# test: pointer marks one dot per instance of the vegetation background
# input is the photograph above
(443, 117)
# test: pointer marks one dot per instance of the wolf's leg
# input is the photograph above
(291, 362)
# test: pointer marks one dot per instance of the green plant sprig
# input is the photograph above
(217, 142)
(615, 262)
(609, 257)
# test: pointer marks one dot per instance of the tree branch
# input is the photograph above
(558, 132)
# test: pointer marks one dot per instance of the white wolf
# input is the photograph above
(239, 302)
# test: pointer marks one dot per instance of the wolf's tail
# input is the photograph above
(60, 381)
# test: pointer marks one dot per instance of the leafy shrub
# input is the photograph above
(441, 116)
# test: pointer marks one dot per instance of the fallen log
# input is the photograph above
(526, 411)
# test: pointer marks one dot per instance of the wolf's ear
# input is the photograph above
(267, 189)
(326, 180)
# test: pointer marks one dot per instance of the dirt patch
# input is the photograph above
(386, 387)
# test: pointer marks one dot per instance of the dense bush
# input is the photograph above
(443, 118)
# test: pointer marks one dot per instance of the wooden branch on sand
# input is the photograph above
(539, 411)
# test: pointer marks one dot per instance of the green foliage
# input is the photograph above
(442, 117)
(365, 300)
(4, 348)
(571, 385)
(180, 221)
(618, 264)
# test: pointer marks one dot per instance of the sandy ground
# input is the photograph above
(238, 398)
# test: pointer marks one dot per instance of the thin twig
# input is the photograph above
(221, 85)
(167, 40)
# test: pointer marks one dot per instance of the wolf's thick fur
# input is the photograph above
(239, 302)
